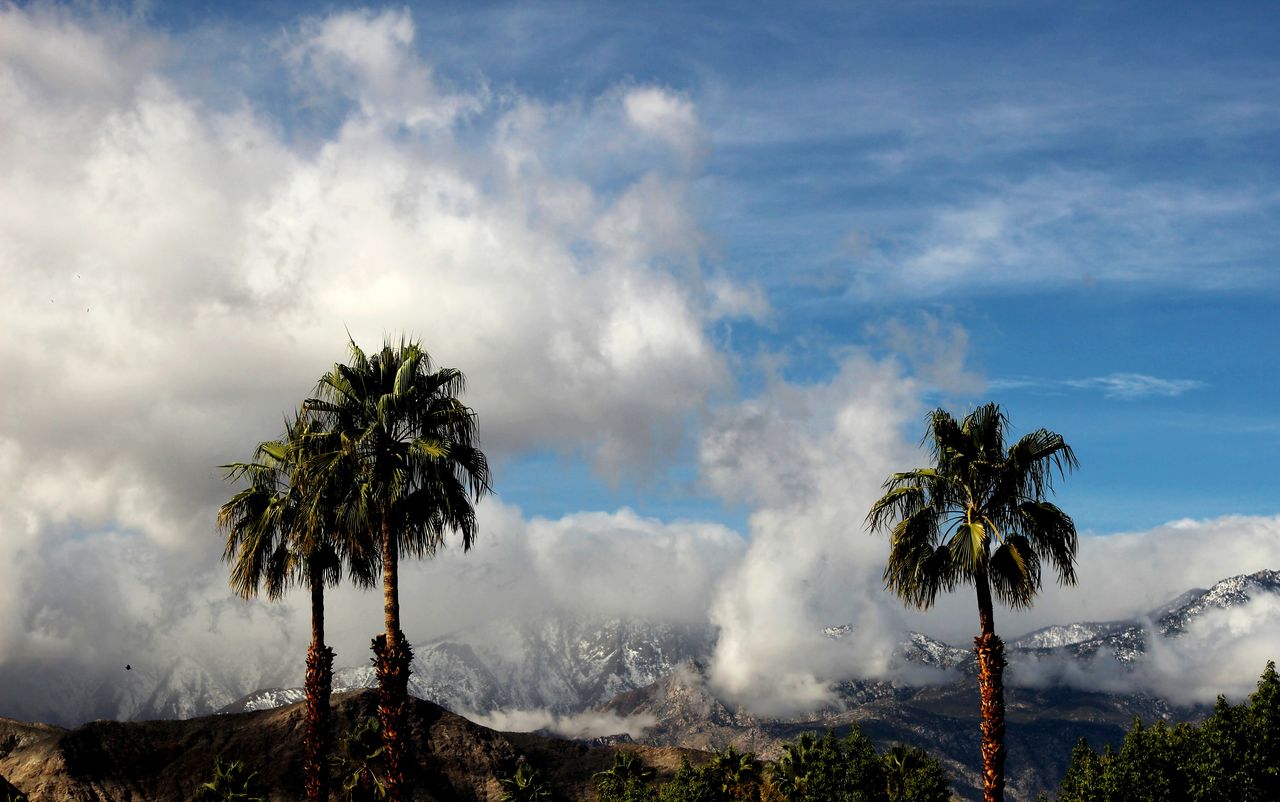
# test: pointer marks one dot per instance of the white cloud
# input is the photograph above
(1126, 575)
(666, 116)
(369, 58)
(732, 299)
(1062, 228)
(581, 725)
(175, 278)
(1122, 386)
(1136, 385)
(935, 350)
(810, 459)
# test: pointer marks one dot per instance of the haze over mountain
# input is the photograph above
(550, 673)
(648, 683)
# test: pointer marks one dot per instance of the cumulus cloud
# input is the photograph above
(1128, 574)
(665, 116)
(811, 458)
(593, 564)
(175, 275)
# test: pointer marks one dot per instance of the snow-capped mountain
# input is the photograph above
(1126, 641)
(570, 665)
(558, 664)
(158, 686)
(564, 665)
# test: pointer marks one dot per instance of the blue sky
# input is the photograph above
(1088, 190)
(706, 267)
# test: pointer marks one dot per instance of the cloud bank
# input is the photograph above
(176, 272)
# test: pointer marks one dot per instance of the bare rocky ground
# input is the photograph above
(165, 761)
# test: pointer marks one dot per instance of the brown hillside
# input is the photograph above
(165, 761)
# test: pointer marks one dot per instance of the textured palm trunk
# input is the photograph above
(392, 659)
(319, 685)
(990, 651)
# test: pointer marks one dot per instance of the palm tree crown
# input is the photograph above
(277, 531)
(944, 520)
(412, 442)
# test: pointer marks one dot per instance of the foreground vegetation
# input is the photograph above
(1233, 756)
(811, 769)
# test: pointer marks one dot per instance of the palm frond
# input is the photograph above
(977, 496)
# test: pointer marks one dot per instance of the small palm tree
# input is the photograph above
(979, 516)
(232, 782)
(281, 530)
(899, 762)
(790, 775)
(359, 762)
(415, 470)
(736, 773)
(526, 785)
(627, 774)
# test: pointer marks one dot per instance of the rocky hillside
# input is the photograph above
(164, 761)
(1042, 724)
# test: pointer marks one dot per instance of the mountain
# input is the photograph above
(1043, 723)
(621, 668)
(164, 761)
(571, 664)
(156, 686)
(1126, 641)
(560, 665)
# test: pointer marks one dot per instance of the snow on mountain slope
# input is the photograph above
(561, 665)
(1126, 641)
(1233, 592)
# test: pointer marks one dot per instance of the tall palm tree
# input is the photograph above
(417, 472)
(281, 530)
(979, 516)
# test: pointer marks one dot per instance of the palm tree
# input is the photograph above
(417, 470)
(526, 785)
(737, 774)
(281, 531)
(790, 775)
(945, 520)
(627, 773)
(359, 762)
(232, 782)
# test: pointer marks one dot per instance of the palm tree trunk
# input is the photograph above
(990, 651)
(319, 685)
(392, 659)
